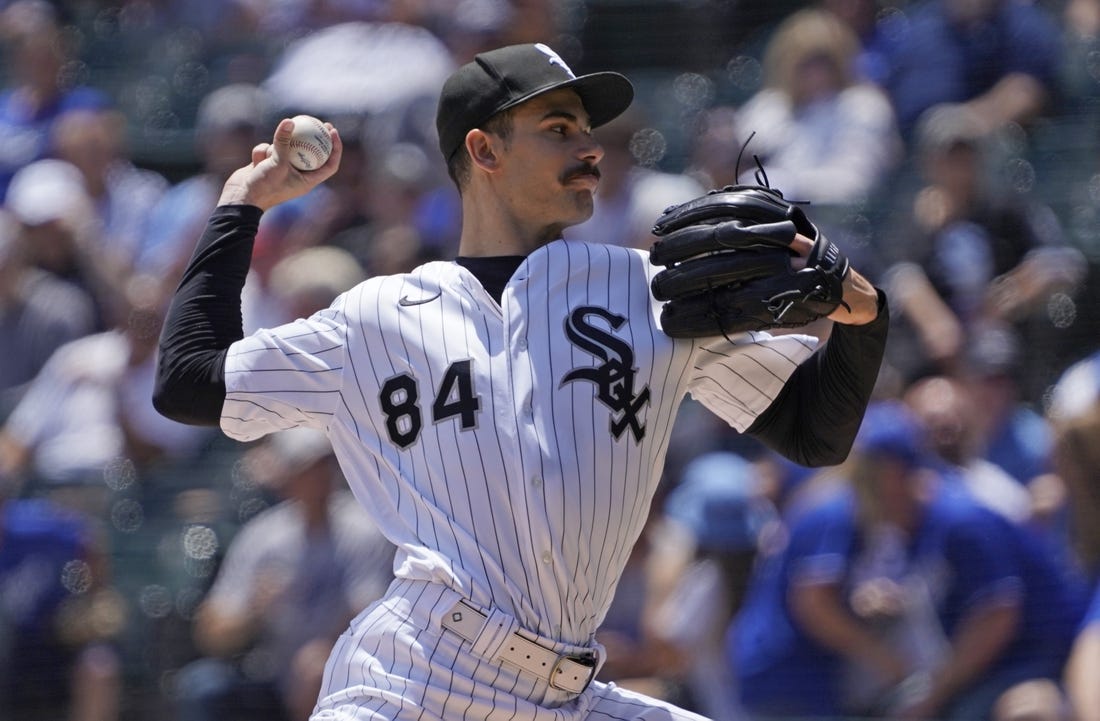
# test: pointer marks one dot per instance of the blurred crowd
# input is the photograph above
(950, 569)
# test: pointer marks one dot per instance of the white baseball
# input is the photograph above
(310, 144)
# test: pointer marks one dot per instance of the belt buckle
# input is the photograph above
(586, 661)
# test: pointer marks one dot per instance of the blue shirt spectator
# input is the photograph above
(43, 551)
(954, 52)
(35, 94)
(965, 560)
(1084, 662)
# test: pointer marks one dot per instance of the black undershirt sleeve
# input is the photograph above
(816, 416)
(204, 319)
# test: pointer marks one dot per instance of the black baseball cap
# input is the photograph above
(500, 79)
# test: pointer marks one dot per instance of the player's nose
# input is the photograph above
(590, 150)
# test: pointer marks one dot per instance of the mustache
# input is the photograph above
(585, 169)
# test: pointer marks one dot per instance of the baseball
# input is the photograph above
(310, 143)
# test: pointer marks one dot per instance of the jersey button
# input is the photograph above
(521, 344)
(536, 481)
(546, 557)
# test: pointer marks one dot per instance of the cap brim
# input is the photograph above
(605, 95)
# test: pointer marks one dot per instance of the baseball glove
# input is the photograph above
(728, 265)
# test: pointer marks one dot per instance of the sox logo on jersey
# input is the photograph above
(614, 378)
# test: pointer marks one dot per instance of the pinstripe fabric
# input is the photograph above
(396, 662)
(525, 489)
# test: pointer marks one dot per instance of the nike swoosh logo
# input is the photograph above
(406, 301)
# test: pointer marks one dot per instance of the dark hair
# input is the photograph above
(458, 167)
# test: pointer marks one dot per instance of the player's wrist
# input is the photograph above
(237, 193)
(861, 301)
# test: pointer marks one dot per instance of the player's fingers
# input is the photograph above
(261, 152)
(281, 140)
(802, 245)
(333, 161)
(283, 132)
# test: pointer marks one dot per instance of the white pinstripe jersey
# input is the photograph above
(510, 451)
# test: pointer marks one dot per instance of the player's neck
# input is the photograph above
(492, 231)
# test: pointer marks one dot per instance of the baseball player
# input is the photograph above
(504, 416)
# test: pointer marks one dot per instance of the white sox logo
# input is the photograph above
(614, 379)
(555, 59)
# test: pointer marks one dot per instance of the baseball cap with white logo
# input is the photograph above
(503, 78)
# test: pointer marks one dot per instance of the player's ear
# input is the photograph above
(483, 149)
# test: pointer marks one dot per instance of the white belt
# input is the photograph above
(563, 672)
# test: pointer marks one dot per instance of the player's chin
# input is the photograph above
(582, 208)
(583, 195)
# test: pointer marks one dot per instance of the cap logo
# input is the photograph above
(555, 59)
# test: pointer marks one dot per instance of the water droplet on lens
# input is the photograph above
(648, 147)
(200, 542)
(744, 72)
(155, 601)
(127, 515)
(76, 577)
(1062, 310)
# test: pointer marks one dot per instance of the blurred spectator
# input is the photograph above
(61, 229)
(789, 486)
(231, 120)
(390, 206)
(715, 520)
(1083, 667)
(1080, 40)
(348, 68)
(89, 409)
(634, 659)
(122, 195)
(863, 18)
(308, 280)
(998, 57)
(904, 598)
(39, 312)
(1010, 432)
(821, 133)
(1076, 452)
(56, 616)
(292, 579)
(948, 408)
(631, 192)
(393, 241)
(38, 89)
(1077, 459)
(970, 252)
(1076, 390)
(469, 27)
(715, 147)
(288, 18)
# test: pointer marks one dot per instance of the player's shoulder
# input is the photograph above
(588, 249)
(428, 274)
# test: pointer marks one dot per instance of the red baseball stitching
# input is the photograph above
(317, 150)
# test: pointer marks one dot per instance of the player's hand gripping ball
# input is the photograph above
(728, 268)
(310, 144)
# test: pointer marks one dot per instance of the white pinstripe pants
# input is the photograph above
(396, 662)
